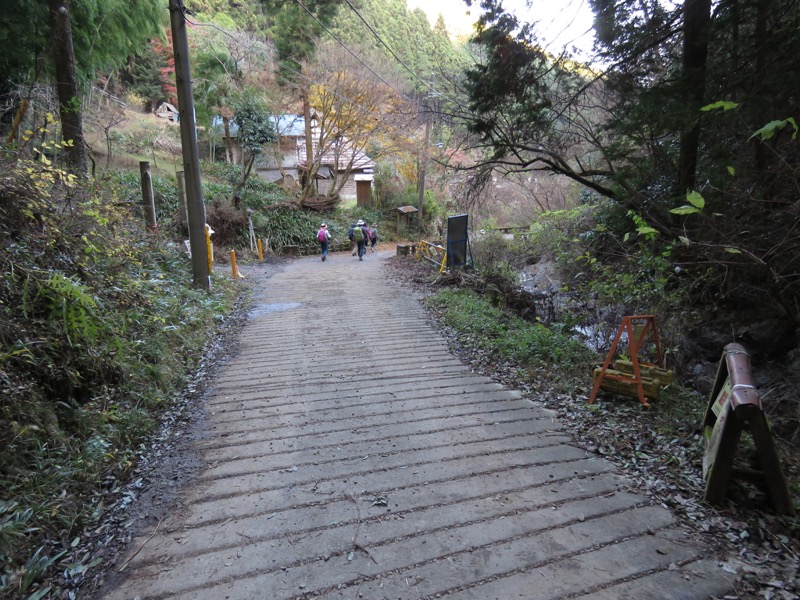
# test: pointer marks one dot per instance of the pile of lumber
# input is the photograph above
(621, 379)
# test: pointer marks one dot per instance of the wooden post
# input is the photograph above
(260, 250)
(148, 200)
(182, 196)
(234, 269)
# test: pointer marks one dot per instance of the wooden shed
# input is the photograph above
(404, 214)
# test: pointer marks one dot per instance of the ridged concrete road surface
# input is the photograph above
(350, 456)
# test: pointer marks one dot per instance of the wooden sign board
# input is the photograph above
(721, 408)
(735, 407)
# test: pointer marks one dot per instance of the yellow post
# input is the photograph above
(234, 270)
(260, 250)
(209, 248)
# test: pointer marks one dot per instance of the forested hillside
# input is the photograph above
(401, 34)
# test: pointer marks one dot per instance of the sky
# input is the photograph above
(561, 22)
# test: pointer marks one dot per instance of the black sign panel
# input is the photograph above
(457, 241)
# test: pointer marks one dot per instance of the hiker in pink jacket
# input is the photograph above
(323, 236)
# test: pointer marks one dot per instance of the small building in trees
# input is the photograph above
(340, 160)
(285, 161)
(165, 110)
(278, 162)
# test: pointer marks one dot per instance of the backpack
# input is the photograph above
(358, 234)
(321, 235)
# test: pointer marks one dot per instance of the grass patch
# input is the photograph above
(539, 350)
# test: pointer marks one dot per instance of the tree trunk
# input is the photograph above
(308, 187)
(226, 126)
(69, 101)
(247, 167)
(696, 19)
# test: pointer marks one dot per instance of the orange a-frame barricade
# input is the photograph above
(639, 329)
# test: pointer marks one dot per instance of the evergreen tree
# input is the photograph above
(105, 33)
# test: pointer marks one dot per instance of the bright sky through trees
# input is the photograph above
(560, 23)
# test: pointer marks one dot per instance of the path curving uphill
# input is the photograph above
(349, 455)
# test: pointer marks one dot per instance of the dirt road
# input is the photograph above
(349, 455)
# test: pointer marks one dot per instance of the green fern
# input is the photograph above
(66, 300)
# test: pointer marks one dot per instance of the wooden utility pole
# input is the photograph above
(196, 210)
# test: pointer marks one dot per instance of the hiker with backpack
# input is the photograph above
(351, 238)
(323, 236)
(373, 236)
(360, 235)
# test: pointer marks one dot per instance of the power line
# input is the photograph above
(375, 33)
(285, 66)
(392, 52)
(343, 45)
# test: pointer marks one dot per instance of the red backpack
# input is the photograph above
(321, 235)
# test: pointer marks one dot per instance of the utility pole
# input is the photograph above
(422, 168)
(196, 210)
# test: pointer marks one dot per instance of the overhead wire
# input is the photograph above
(343, 45)
(285, 66)
(363, 20)
(392, 52)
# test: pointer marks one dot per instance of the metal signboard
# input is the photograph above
(457, 241)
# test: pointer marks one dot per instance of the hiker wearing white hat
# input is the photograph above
(360, 236)
(323, 235)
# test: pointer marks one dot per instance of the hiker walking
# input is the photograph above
(373, 236)
(350, 236)
(323, 236)
(360, 238)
